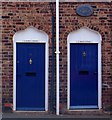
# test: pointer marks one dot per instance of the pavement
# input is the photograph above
(34, 116)
(0, 116)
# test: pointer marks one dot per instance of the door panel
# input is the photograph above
(30, 76)
(83, 76)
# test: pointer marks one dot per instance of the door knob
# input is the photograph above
(18, 62)
(95, 73)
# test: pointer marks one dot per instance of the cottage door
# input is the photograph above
(83, 76)
(30, 76)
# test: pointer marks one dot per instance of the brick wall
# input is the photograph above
(100, 21)
(18, 16)
(0, 60)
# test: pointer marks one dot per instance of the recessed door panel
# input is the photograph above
(30, 76)
(83, 76)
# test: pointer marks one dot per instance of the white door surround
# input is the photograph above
(85, 35)
(30, 35)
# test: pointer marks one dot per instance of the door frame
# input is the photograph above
(31, 38)
(76, 39)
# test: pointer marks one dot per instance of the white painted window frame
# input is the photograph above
(99, 68)
(36, 41)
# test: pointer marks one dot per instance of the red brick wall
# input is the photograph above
(100, 21)
(18, 16)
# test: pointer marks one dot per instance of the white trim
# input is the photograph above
(14, 76)
(68, 72)
(99, 77)
(31, 35)
(83, 36)
(57, 57)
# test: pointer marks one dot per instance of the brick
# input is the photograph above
(18, 16)
(98, 21)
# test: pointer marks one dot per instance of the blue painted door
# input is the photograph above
(83, 76)
(30, 76)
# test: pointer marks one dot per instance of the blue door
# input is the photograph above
(83, 76)
(30, 76)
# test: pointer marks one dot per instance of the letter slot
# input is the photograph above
(30, 73)
(83, 72)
